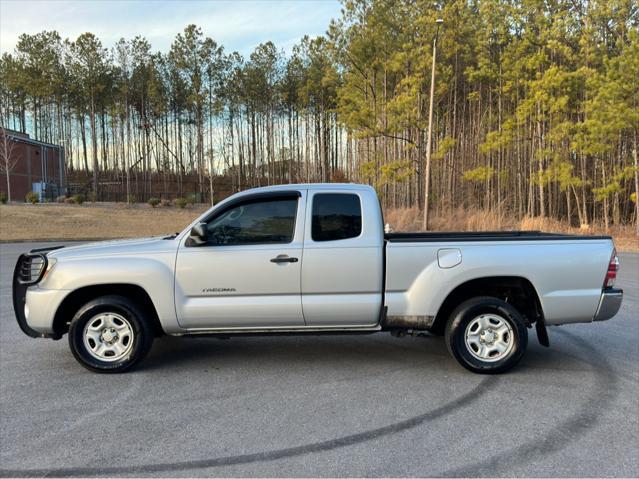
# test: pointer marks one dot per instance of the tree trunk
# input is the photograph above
(636, 165)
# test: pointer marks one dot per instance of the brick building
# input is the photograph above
(34, 166)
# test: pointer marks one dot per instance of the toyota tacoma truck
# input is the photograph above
(314, 259)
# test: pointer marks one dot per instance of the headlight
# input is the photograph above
(50, 264)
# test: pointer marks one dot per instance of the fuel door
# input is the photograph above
(449, 257)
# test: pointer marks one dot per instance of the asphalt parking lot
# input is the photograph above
(358, 406)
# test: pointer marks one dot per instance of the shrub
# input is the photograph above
(180, 202)
(3, 198)
(191, 198)
(61, 199)
(93, 197)
(165, 203)
(32, 197)
(153, 202)
(79, 199)
(69, 200)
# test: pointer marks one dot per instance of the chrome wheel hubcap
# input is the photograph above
(489, 337)
(108, 337)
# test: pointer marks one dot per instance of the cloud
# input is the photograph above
(238, 25)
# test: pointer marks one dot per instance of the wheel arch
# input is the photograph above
(78, 297)
(515, 290)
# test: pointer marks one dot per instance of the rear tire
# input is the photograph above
(486, 335)
(110, 334)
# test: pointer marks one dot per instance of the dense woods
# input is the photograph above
(535, 111)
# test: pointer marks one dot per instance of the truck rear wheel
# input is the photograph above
(109, 335)
(486, 335)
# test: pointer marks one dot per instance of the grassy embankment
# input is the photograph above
(19, 222)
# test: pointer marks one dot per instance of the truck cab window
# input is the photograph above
(336, 216)
(261, 222)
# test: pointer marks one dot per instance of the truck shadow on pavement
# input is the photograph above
(330, 351)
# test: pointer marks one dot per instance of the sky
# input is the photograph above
(239, 25)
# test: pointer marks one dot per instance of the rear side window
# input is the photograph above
(336, 216)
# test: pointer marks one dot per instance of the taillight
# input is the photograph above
(611, 274)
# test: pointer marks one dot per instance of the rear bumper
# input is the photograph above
(609, 304)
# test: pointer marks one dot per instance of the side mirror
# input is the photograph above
(197, 236)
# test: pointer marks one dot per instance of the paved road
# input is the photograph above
(324, 406)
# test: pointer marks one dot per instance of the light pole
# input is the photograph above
(439, 21)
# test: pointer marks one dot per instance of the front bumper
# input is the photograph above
(609, 304)
(19, 291)
(42, 327)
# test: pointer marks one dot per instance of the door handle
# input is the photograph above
(283, 259)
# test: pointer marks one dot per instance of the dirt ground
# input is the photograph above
(96, 221)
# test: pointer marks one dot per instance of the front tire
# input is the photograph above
(110, 334)
(486, 335)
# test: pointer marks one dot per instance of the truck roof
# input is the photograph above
(310, 186)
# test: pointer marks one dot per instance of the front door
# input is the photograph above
(247, 274)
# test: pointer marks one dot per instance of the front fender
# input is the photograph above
(153, 274)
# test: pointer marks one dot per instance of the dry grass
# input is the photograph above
(111, 220)
(410, 219)
(625, 236)
(91, 221)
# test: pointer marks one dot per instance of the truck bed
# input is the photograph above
(437, 236)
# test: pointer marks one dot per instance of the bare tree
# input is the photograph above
(8, 158)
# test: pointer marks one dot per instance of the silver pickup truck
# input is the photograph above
(314, 259)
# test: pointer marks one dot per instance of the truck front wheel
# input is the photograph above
(109, 335)
(486, 335)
